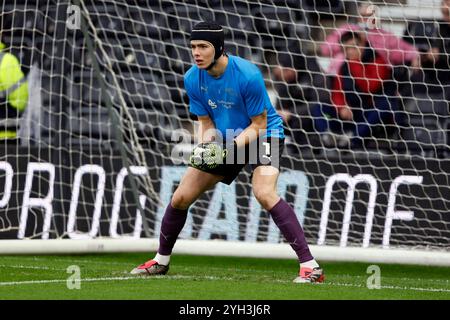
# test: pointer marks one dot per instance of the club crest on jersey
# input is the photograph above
(212, 104)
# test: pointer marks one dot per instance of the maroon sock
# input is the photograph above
(171, 226)
(286, 220)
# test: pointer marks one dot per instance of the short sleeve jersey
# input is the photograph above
(233, 98)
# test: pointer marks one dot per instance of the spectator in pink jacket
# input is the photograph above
(393, 49)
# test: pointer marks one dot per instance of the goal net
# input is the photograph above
(106, 132)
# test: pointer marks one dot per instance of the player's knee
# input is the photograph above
(264, 195)
(180, 201)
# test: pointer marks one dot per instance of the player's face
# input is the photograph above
(364, 14)
(203, 53)
(353, 50)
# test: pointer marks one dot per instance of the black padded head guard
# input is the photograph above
(212, 33)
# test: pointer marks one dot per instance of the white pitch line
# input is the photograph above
(128, 264)
(440, 281)
(30, 267)
(13, 283)
(175, 277)
(72, 261)
(390, 287)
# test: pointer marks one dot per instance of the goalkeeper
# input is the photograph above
(228, 95)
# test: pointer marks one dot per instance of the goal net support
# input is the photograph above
(106, 133)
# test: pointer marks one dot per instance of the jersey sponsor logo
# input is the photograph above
(212, 104)
(204, 89)
(226, 104)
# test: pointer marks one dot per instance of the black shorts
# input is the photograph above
(262, 152)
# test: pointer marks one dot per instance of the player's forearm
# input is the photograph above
(256, 128)
(205, 132)
(251, 133)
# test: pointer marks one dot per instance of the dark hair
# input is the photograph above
(349, 35)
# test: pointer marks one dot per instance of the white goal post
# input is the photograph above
(107, 130)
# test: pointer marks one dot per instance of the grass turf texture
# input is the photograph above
(194, 277)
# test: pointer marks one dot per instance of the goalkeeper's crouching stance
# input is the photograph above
(228, 94)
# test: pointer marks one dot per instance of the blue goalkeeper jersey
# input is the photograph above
(232, 99)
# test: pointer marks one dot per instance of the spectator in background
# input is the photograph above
(391, 48)
(13, 94)
(432, 39)
(299, 83)
(443, 45)
(362, 95)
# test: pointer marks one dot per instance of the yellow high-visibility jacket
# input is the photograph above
(13, 93)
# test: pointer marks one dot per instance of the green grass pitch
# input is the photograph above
(197, 277)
